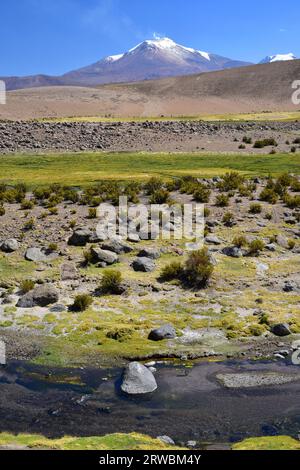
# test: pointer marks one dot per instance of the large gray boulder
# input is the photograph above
(164, 332)
(80, 237)
(117, 246)
(41, 296)
(104, 256)
(281, 329)
(144, 265)
(233, 252)
(138, 380)
(152, 253)
(36, 255)
(213, 240)
(9, 246)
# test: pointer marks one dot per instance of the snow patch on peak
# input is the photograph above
(114, 58)
(279, 58)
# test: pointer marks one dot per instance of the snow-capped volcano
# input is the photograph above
(278, 58)
(153, 58)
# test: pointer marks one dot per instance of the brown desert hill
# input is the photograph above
(258, 88)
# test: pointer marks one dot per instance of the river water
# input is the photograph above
(190, 403)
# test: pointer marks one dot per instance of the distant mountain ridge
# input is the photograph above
(151, 59)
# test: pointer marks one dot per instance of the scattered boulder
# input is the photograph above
(104, 256)
(80, 237)
(133, 238)
(213, 240)
(9, 246)
(233, 252)
(144, 265)
(162, 333)
(41, 296)
(281, 329)
(166, 440)
(138, 380)
(68, 272)
(151, 253)
(282, 241)
(271, 247)
(117, 246)
(36, 255)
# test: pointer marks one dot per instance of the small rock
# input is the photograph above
(166, 440)
(162, 333)
(233, 252)
(281, 329)
(213, 240)
(9, 246)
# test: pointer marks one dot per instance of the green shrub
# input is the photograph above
(202, 194)
(293, 149)
(222, 200)
(161, 196)
(297, 141)
(228, 219)
(27, 285)
(255, 247)
(53, 210)
(81, 303)
(269, 195)
(265, 143)
(153, 185)
(2, 210)
(255, 209)
(291, 244)
(52, 247)
(240, 241)
(111, 282)
(242, 147)
(247, 140)
(172, 271)
(92, 213)
(30, 224)
(231, 181)
(292, 202)
(198, 268)
(27, 204)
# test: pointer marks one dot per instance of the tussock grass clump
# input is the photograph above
(111, 282)
(172, 271)
(81, 303)
(240, 241)
(27, 285)
(271, 142)
(27, 204)
(269, 195)
(255, 209)
(161, 196)
(222, 200)
(256, 247)
(231, 181)
(202, 194)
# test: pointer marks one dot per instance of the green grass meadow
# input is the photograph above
(82, 169)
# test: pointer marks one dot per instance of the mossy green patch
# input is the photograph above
(132, 441)
(268, 443)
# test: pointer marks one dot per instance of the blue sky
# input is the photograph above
(55, 36)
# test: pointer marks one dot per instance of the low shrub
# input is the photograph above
(269, 195)
(228, 219)
(240, 241)
(222, 200)
(265, 143)
(161, 196)
(2, 210)
(172, 271)
(27, 285)
(255, 247)
(198, 269)
(202, 194)
(111, 282)
(81, 303)
(27, 204)
(255, 209)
